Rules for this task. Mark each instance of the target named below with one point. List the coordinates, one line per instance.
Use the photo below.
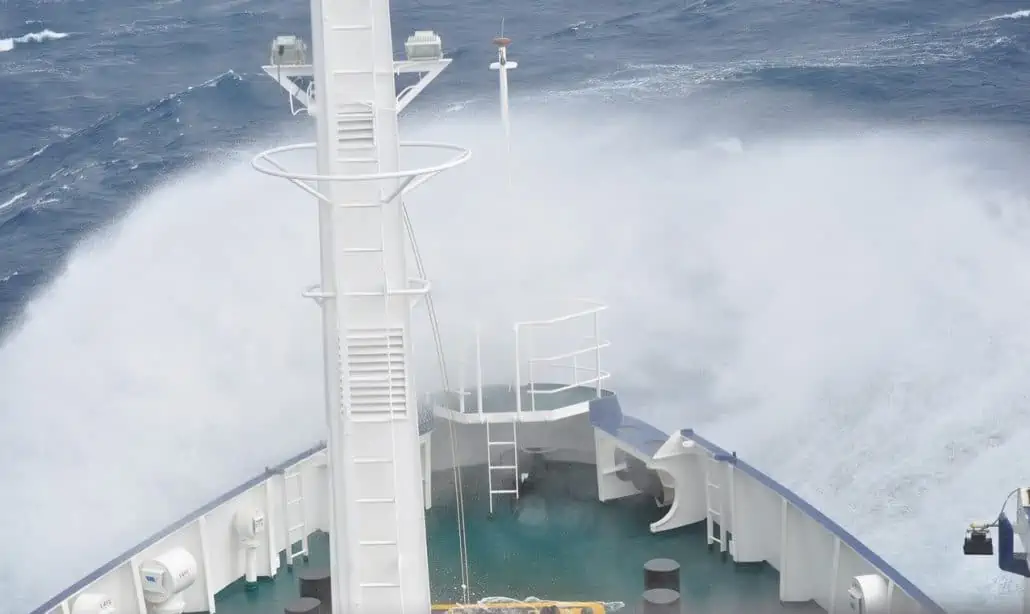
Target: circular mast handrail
(416, 288)
(265, 157)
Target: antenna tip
(502, 41)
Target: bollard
(314, 582)
(660, 601)
(662, 573)
(304, 605)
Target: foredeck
(557, 543)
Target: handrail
(722, 455)
(597, 308)
(577, 384)
(123, 558)
(576, 368)
(573, 353)
(519, 385)
(266, 156)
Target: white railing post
(205, 560)
(479, 373)
(461, 379)
(518, 371)
(532, 389)
(597, 352)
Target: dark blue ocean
(847, 176)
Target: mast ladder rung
(351, 27)
(379, 585)
(377, 420)
(352, 71)
(358, 205)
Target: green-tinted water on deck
(557, 542)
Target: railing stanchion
(518, 371)
(479, 373)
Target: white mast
(502, 66)
(378, 559)
(378, 552)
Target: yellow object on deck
(521, 607)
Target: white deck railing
(815, 558)
(561, 370)
(525, 334)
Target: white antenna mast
(502, 66)
(378, 559)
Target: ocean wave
(10, 203)
(1017, 15)
(7, 44)
(920, 48)
(66, 135)
(33, 155)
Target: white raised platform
(498, 403)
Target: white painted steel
(813, 562)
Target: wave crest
(6, 44)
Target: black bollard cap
(304, 605)
(660, 601)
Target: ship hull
(600, 493)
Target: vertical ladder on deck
(714, 501)
(376, 371)
(294, 517)
(500, 438)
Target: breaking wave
(7, 44)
